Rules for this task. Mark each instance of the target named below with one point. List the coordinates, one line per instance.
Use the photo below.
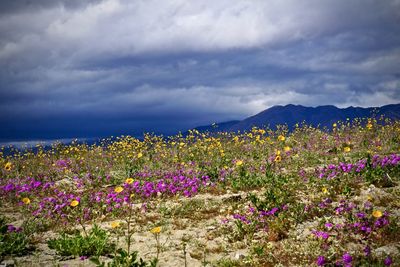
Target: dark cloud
(98, 68)
(10, 7)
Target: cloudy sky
(83, 68)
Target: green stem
(83, 227)
(184, 253)
(158, 245)
(128, 238)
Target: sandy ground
(194, 222)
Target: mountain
(218, 127)
(292, 114)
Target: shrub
(96, 243)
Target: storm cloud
(111, 67)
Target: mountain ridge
(291, 114)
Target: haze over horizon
(89, 68)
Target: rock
(197, 254)
(7, 263)
(376, 195)
(209, 228)
(65, 182)
(386, 250)
(303, 231)
(239, 256)
(233, 198)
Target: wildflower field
(261, 198)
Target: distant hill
(218, 127)
(292, 114)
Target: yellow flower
(8, 166)
(156, 230)
(325, 190)
(287, 148)
(239, 163)
(139, 155)
(281, 138)
(26, 201)
(334, 125)
(132, 196)
(118, 189)
(129, 180)
(369, 126)
(278, 158)
(377, 213)
(115, 224)
(74, 203)
(346, 149)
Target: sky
(96, 68)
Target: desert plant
(123, 259)
(96, 243)
(13, 240)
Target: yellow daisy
(26, 201)
(377, 213)
(239, 163)
(115, 224)
(8, 166)
(118, 189)
(74, 203)
(156, 230)
(129, 180)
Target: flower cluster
(19, 187)
(126, 180)
(352, 221)
(331, 171)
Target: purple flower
(324, 235)
(347, 258)
(368, 205)
(361, 215)
(381, 222)
(273, 211)
(11, 228)
(320, 260)
(367, 251)
(366, 229)
(339, 226)
(321, 234)
(251, 209)
(388, 261)
(224, 221)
